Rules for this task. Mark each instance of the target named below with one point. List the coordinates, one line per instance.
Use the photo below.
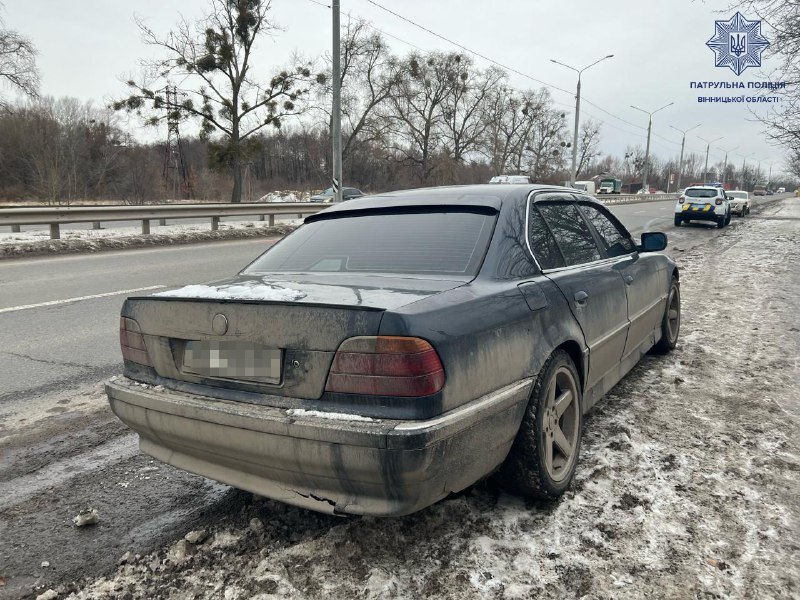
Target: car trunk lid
(264, 334)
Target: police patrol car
(703, 203)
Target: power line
(499, 64)
(601, 121)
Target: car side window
(542, 242)
(571, 232)
(616, 240)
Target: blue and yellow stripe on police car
(688, 207)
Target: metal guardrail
(54, 217)
(634, 198)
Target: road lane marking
(79, 298)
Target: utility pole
(708, 147)
(725, 164)
(573, 174)
(646, 166)
(744, 158)
(336, 130)
(680, 161)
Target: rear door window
(571, 233)
(543, 244)
(437, 243)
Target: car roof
(703, 187)
(483, 195)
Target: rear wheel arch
(573, 349)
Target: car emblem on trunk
(219, 324)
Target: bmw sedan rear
(386, 353)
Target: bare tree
(544, 144)
(588, 144)
(506, 118)
(783, 117)
(18, 64)
(369, 76)
(464, 107)
(415, 114)
(212, 59)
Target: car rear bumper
(322, 461)
(712, 214)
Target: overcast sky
(87, 46)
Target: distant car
(703, 203)
(780, 190)
(740, 203)
(510, 179)
(770, 193)
(400, 347)
(643, 191)
(759, 190)
(327, 195)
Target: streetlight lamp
(573, 173)
(708, 147)
(744, 158)
(725, 164)
(680, 162)
(647, 149)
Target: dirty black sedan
(398, 348)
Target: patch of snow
(300, 412)
(135, 229)
(242, 291)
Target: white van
(510, 179)
(586, 186)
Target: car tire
(728, 219)
(744, 212)
(671, 321)
(721, 222)
(538, 465)
(678, 221)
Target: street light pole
(574, 171)
(647, 149)
(680, 161)
(708, 147)
(336, 122)
(725, 164)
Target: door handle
(581, 297)
(628, 279)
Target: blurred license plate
(233, 360)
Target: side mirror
(653, 241)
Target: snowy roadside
(36, 243)
(687, 485)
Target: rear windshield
(437, 243)
(742, 195)
(700, 193)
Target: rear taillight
(386, 366)
(719, 201)
(131, 341)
